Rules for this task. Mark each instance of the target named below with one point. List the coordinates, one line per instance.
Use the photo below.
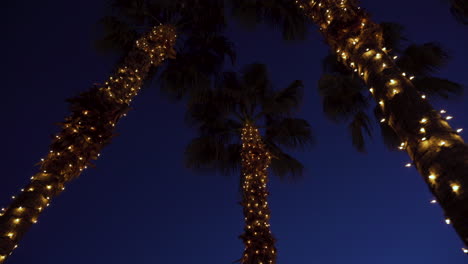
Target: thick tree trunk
(84, 133)
(437, 151)
(258, 240)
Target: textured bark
(258, 240)
(84, 133)
(438, 152)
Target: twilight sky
(140, 205)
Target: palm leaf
(284, 165)
(358, 128)
(459, 9)
(439, 87)
(284, 101)
(341, 96)
(423, 59)
(292, 133)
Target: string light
(455, 187)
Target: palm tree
(96, 112)
(436, 149)
(459, 9)
(230, 121)
(344, 96)
(83, 135)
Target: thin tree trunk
(84, 133)
(438, 152)
(258, 240)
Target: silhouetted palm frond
(423, 59)
(459, 9)
(281, 14)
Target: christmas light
(455, 188)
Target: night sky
(140, 205)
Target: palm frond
(341, 96)
(284, 101)
(393, 35)
(208, 155)
(459, 9)
(284, 165)
(438, 87)
(292, 133)
(423, 60)
(358, 128)
(117, 35)
(280, 14)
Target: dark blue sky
(141, 206)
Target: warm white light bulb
(455, 187)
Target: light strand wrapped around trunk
(84, 133)
(258, 240)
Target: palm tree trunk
(84, 133)
(258, 240)
(438, 152)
